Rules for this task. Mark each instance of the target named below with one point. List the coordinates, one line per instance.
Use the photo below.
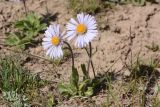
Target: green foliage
(89, 6)
(110, 3)
(70, 89)
(86, 75)
(75, 88)
(15, 99)
(156, 102)
(51, 100)
(28, 28)
(14, 77)
(138, 2)
(132, 94)
(141, 70)
(16, 83)
(74, 78)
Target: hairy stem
(90, 59)
(70, 49)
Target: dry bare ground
(111, 48)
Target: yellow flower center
(81, 28)
(55, 40)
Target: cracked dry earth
(111, 47)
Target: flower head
(83, 30)
(52, 42)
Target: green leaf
(89, 91)
(19, 35)
(42, 26)
(21, 46)
(85, 73)
(28, 28)
(27, 25)
(139, 2)
(67, 89)
(19, 25)
(74, 79)
(12, 40)
(83, 85)
(97, 81)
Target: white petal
(80, 17)
(73, 21)
(60, 51)
(80, 42)
(71, 37)
(86, 39)
(91, 20)
(46, 39)
(51, 30)
(76, 42)
(55, 52)
(92, 31)
(92, 26)
(70, 34)
(56, 29)
(47, 33)
(92, 23)
(62, 34)
(51, 54)
(71, 26)
(49, 51)
(86, 18)
(46, 45)
(91, 36)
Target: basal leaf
(85, 73)
(74, 79)
(66, 89)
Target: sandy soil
(112, 46)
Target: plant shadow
(145, 72)
(104, 81)
(48, 17)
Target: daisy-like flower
(52, 42)
(83, 30)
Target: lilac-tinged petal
(73, 21)
(47, 39)
(70, 26)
